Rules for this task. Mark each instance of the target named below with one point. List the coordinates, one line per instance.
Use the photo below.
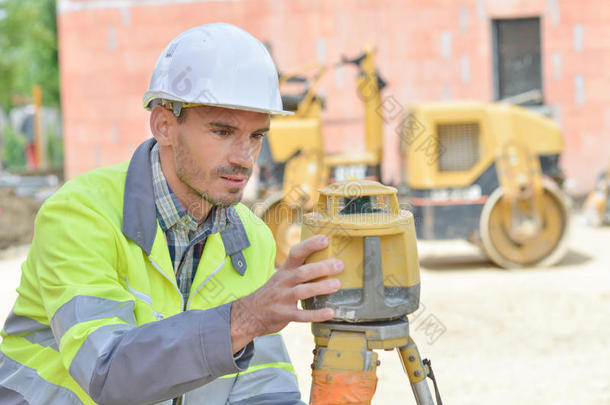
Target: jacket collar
(139, 211)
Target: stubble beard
(183, 161)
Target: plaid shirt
(185, 237)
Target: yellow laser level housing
(376, 241)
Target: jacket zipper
(156, 266)
(183, 397)
(220, 266)
(145, 298)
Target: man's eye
(258, 136)
(222, 132)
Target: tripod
(344, 367)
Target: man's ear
(162, 123)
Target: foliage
(13, 149)
(28, 46)
(55, 148)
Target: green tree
(13, 155)
(28, 50)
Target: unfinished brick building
(432, 50)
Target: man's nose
(242, 154)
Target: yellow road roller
(488, 173)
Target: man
(147, 281)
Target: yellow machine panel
(484, 128)
(488, 173)
(288, 136)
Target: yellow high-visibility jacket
(100, 319)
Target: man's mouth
(235, 181)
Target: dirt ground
(17, 214)
(532, 336)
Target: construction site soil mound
(17, 215)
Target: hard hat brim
(150, 96)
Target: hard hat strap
(175, 106)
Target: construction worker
(148, 282)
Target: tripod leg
(416, 371)
(344, 371)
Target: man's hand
(270, 308)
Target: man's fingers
(312, 271)
(322, 287)
(300, 251)
(313, 315)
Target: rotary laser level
(380, 286)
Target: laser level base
(344, 367)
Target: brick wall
(432, 50)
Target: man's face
(215, 150)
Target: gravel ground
(17, 213)
(532, 336)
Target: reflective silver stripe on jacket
(234, 390)
(83, 308)
(259, 385)
(97, 345)
(214, 393)
(30, 329)
(267, 385)
(33, 388)
(143, 297)
(269, 349)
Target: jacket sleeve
(74, 254)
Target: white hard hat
(219, 65)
